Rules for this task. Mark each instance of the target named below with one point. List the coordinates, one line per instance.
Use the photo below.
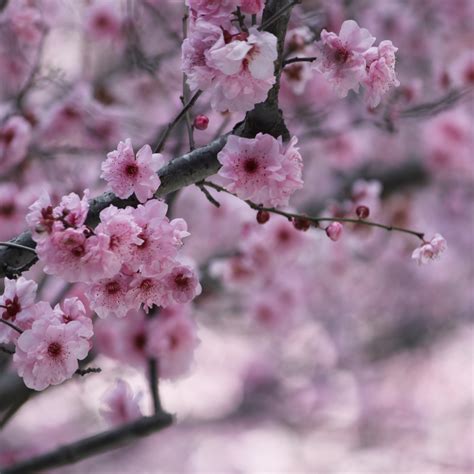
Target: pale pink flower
(127, 174)
(334, 231)
(181, 285)
(40, 219)
(216, 11)
(76, 256)
(340, 57)
(109, 297)
(245, 70)
(430, 251)
(261, 169)
(103, 22)
(17, 299)
(173, 344)
(27, 24)
(122, 230)
(12, 209)
(120, 405)
(380, 72)
(15, 138)
(72, 210)
(251, 7)
(202, 36)
(146, 291)
(48, 353)
(72, 311)
(161, 239)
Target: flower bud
(201, 122)
(263, 216)
(301, 224)
(334, 231)
(362, 212)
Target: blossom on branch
(430, 251)
(261, 169)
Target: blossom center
(55, 349)
(112, 287)
(182, 281)
(12, 308)
(250, 165)
(131, 169)
(341, 55)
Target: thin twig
(299, 60)
(176, 120)
(208, 195)
(153, 371)
(89, 370)
(317, 220)
(16, 328)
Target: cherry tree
(172, 165)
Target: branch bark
(87, 447)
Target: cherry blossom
(15, 137)
(48, 353)
(430, 251)
(15, 304)
(120, 405)
(128, 174)
(341, 59)
(261, 169)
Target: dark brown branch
(87, 447)
(89, 370)
(17, 329)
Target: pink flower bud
(201, 122)
(301, 224)
(252, 7)
(362, 212)
(334, 231)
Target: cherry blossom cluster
(261, 169)
(349, 60)
(48, 341)
(130, 258)
(235, 65)
(430, 250)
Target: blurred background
(315, 356)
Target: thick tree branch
(87, 447)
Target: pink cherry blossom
(380, 72)
(109, 297)
(27, 24)
(252, 7)
(17, 299)
(40, 219)
(127, 174)
(122, 230)
(72, 210)
(120, 405)
(103, 22)
(216, 11)
(340, 57)
(261, 169)
(182, 284)
(173, 343)
(48, 353)
(202, 36)
(430, 251)
(72, 311)
(15, 138)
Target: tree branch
(87, 447)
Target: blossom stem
(18, 246)
(299, 60)
(90, 370)
(16, 328)
(317, 220)
(277, 15)
(153, 369)
(176, 120)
